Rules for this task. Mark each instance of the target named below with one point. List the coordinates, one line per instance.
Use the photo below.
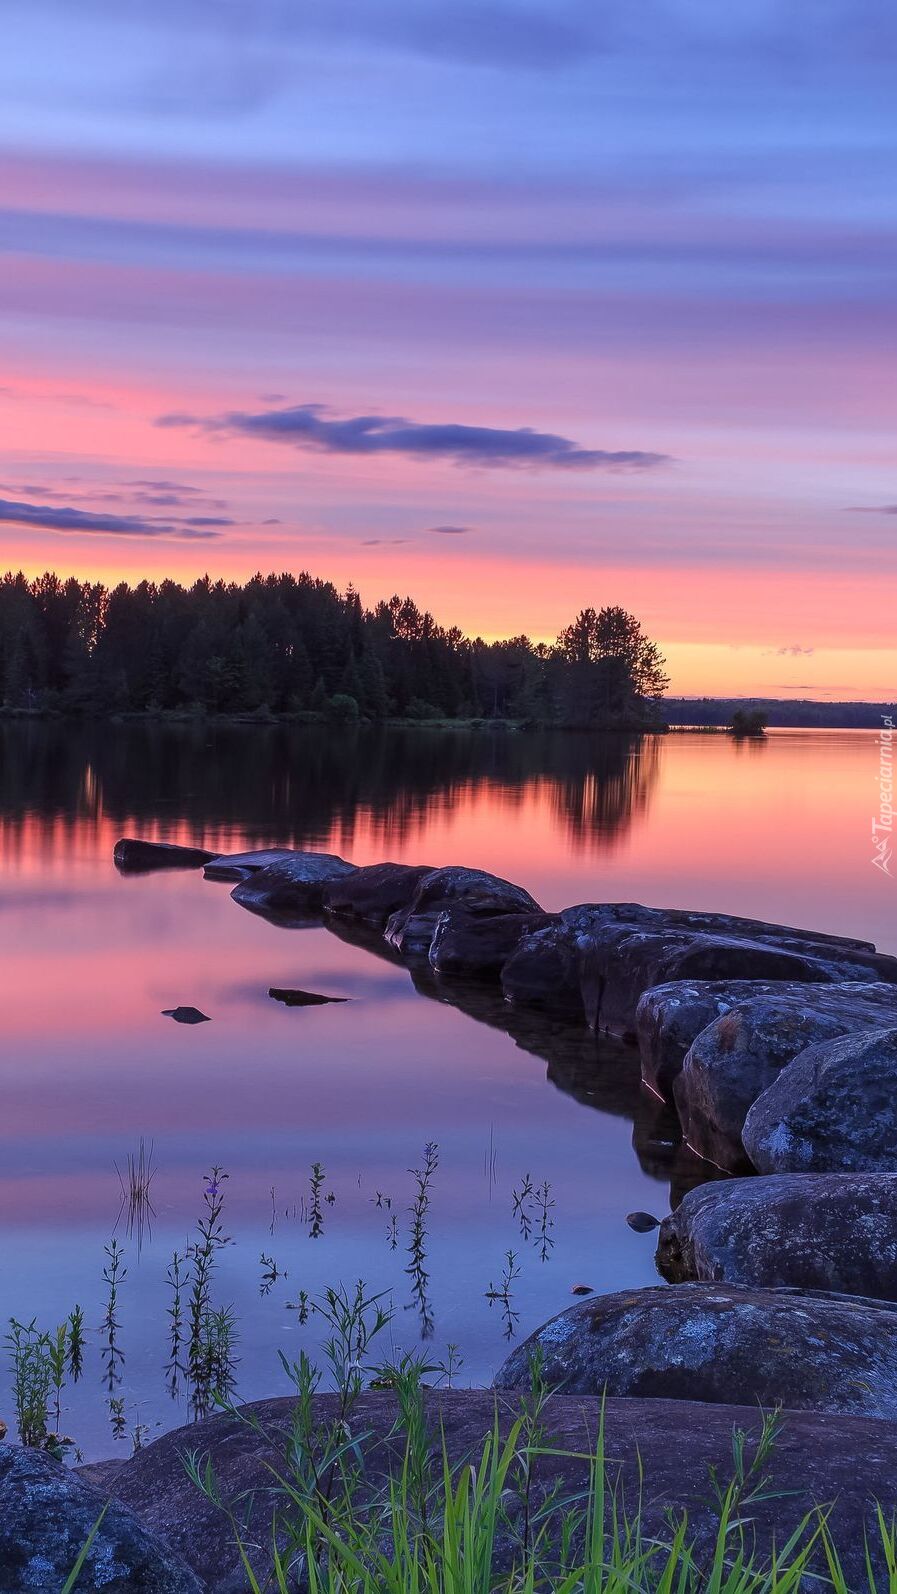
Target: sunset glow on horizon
(511, 309)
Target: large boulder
(835, 1231)
(834, 1108)
(471, 947)
(239, 865)
(46, 1517)
(737, 1057)
(372, 894)
(722, 1342)
(669, 1017)
(482, 895)
(133, 856)
(292, 886)
(664, 1454)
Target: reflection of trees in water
(299, 784)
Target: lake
(515, 1105)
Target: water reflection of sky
(89, 1064)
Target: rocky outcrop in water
(133, 856)
(481, 895)
(836, 1232)
(833, 1108)
(46, 1516)
(373, 894)
(291, 885)
(721, 1343)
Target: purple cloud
(451, 531)
(309, 426)
(64, 518)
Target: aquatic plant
(502, 1293)
(135, 1185)
(417, 1242)
(32, 1380)
(114, 1274)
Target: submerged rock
(372, 894)
(411, 929)
(834, 1108)
(663, 1454)
(186, 1015)
(719, 1343)
(133, 856)
(291, 885)
(302, 998)
(46, 1516)
(834, 1231)
(737, 1057)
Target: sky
(514, 305)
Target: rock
(662, 1454)
(719, 1343)
(624, 964)
(186, 1015)
(601, 958)
(372, 894)
(581, 1289)
(737, 1057)
(642, 1222)
(292, 885)
(477, 948)
(239, 865)
(411, 929)
(132, 856)
(46, 1516)
(669, 1017)
(834, 1231)
(302, 998)
(834, 1108)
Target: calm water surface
(778, 829)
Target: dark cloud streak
(63, 518)
(309, 426)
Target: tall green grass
(354, 1513)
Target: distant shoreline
(710, 716)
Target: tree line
(294, 644)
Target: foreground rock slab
(834, 1231)
(737, 1057)
(722, 1342)
(833, 1108)
(133, 856)
(850, 1461)
(46, 1516)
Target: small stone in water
(642, 1222)
(302, 998)
(582, 1289)
(186, 1015)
